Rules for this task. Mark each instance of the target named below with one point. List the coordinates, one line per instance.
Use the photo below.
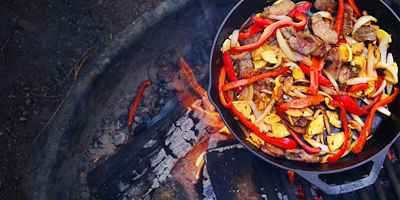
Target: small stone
(119, 138)
(22, 119)
(25, 113)
(137, 119)
(28, 102)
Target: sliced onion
(350, 40)
(325, 94)
(381, 109)
(354, 81)
(283, 44)
(316, 144)
(327, 125)
(389, 59)
(266, 91)
(299, 94)
(308, 35)
(328, 91)
(370, 64)
(280, 17)
(324, 14)
(330, 77)
(358, 119)
(267, 110)
(254, 108)
(238, 56)
(306, 60)
(355, 124)
(389, 88)
(279, 61)
(381, 88)
(361, 21)
(235, 37)
(383, 46)
(250, 93)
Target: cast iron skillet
(385, 129)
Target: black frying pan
(385, 129)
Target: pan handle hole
(351, 175)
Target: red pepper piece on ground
(295, 136)
(358, 87)
(248, 81)
(370, 119)
(350, 105)
(250, 31)
(321, 79)
(343, 117)
(339, 17)
(136, 102)
(228, 63)
(285, 143)
(269, 30)
(355, 8)
(302, 103)
(302, 8)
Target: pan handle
(377, 159)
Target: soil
(43, 46)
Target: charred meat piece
(322, 30)
(333, 62)
(242, 65)
(300, 124)
(321, 50)
(272, 150)
(250, 40)
(296, 42)
(365, 33)
(301, 155)
(324, 4)
(348, 20)
(282, 8)
(345, 73)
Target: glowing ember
(199, 165)
(290, 176)
(96, 160)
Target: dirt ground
(43, 44)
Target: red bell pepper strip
(350, 105)
(321, 79)
(315, 71)
(355, 8)
(269, 30)
(295, 136)
(339, 17)
(370, 105)
(262, 21)
(221, 82)
(136, 102)
(285, 143)
(358, 87)
(302, 8)
(342, 41)
(302, 103)
(368, 123)
(228, 63)
(251, 31)
(343, 117)
(248, 81)
(377, 85)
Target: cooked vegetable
(285, 84)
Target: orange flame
(199, 165)
(290, 176)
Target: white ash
(119, 138)
(150, 143)
(208, 191)
(157, 159)
(221, 149)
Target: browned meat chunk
(345, 73)
(333, 62)
(296, 42)
(301, 155)
(348, 20)
(242, 65)
(324, 4)
(365, 33)
(300, 124)
(250, 40)
(321, 50)
(322, 30)
(282, 8)
(272, 150)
